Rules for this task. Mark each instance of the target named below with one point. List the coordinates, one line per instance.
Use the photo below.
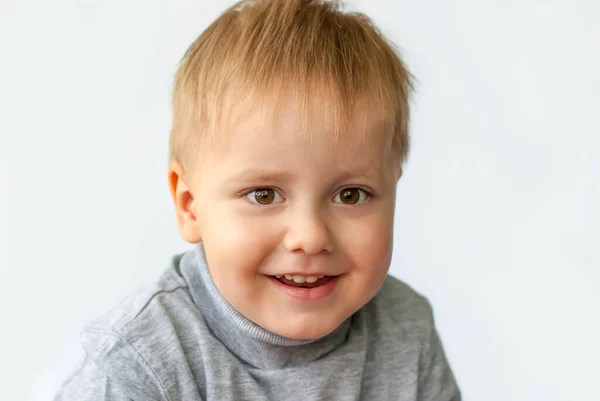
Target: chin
(303, 331)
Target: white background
(498, 218)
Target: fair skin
(269, 202)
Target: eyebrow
(371, 171)
(252, 175)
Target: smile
(305, 288)
(300, 281)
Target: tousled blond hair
(262, 52)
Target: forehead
(264, 130)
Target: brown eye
(350, 196)
(264, 196)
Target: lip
(305, 274)
(307, 294)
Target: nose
(309, 233)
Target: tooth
(289, 276)
(299, 279)
(311, 279)
(278, 276)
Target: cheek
(235, 253)
(236, 245)
(368, 248)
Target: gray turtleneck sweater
(180, 340)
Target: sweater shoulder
(169, 288)
(138, 343)
(398, 305)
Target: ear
(398, 173)
(183, 201)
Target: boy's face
(268, 202)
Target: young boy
(290, 129)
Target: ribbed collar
(248, 341)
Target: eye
(351, 196)
(264, 196)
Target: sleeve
(436, 380)
(89, 384)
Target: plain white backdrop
(498, 217)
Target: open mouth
(303, 281)
(306, 288)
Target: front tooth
(311, 279)
(289, 276)
(278, 276)
(299, 279)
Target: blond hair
(261, 52)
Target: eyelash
(368, 193)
